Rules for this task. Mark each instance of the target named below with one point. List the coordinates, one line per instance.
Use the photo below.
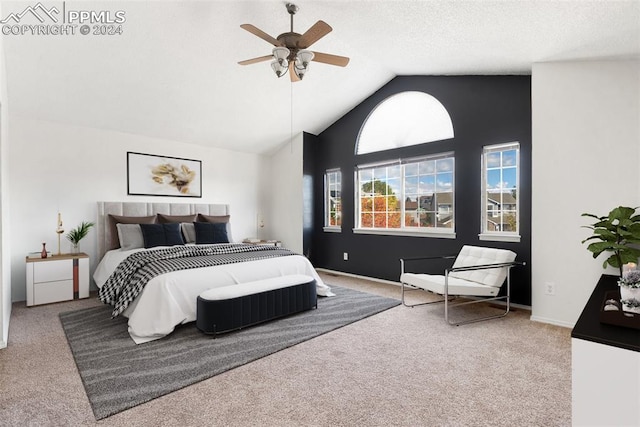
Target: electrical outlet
(345, 256)
(549, 288)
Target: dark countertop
(588, 326)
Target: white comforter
(170, 299)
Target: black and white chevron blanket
(132, 274)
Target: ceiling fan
(290, 51)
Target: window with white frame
(333, 199)
(500, 192)
(407, 196)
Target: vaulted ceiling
(173, 72)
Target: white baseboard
(552, 322)
(3, 344)
(390, 282)
(357, 276)
(512, 305)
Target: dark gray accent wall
(484, 110)
(309, 147)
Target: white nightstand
(57, 278)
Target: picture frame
(155, 175)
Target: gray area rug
(118, 374)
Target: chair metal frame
(447, 298)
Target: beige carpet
(402, 367)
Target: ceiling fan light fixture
(281, 54)
(278, 68)
(303, 58)
(301, 71)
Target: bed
(169, 299)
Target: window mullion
(400, 206)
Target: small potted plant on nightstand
(77, 234)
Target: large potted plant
(618, 233)
(77, 234)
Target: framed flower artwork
(152, 175)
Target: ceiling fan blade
(258, 32)
(256, 60)
(326, 58)
(313, 34)
(292, 73)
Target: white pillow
(130, 236)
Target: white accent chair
(477, 272)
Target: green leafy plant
(615, 233)
(79, 233)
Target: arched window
(407, 118)
(406, 196)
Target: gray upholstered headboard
(146, 209)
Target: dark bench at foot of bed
(233, 307)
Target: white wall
(281, 188)
(5, 266)
(67, 168)
(586, 152)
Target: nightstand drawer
(46, 292)
(53, 271)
